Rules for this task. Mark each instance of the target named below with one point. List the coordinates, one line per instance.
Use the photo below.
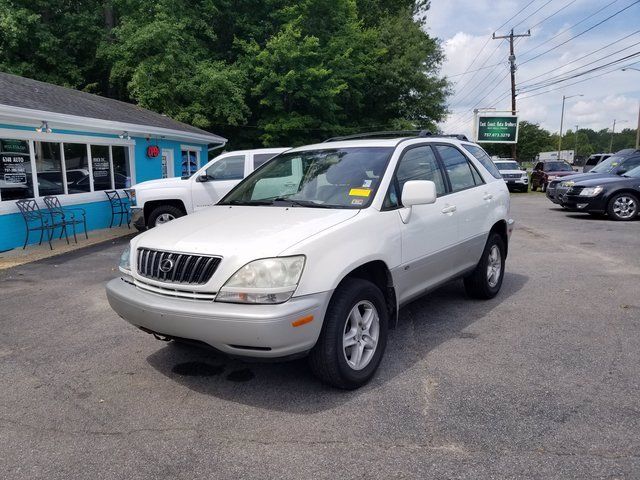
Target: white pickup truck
(159, 201)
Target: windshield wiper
(303, 203)
(243, 202)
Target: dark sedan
(621, 162)
(617, 196)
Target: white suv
(315, 252)
(155, 202)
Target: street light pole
(564, 97)
(638, 128)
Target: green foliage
(274, 72)
(532, 139)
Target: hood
(561, 173)
(240, 231)
(605, 180)
(160, 183)
(578, 177)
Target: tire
(623, 207)
(328, 358)
(479, 284)
(163, 214)
(140, 229)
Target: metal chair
(67, 215)
(31, 214)
(118, 207)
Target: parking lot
(541, 382)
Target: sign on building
(491, 129)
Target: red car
(545, 172)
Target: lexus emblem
(166, 265)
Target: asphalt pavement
(541, 382)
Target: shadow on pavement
(291, 387)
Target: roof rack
(394, 134)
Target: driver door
(221, 177)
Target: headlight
(125, 261)
(590, 191)
(270, 280)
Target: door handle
(487, 196)
(449, 209)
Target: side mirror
(418, 192)
(203, 178)
(621, 171)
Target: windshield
(557, 167)
(608, 165)
(328, 178)
(507, 165)
(634, 172)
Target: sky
(465, 28)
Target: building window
(190, 162)
(76, 163)
(49, 168)
(61, 168)
(121, 167)
(101, 167)
(15, 170)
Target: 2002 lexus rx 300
(314, 253)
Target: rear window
(483, 158)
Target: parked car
(515, 177)
(594, 160)
(159, 201)
(620, 163)
(545, 172)
(617, 196)
(315, 252)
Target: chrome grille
(511, 176)
(174, 267)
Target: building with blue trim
(75, 145)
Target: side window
(484, 159)
(630, 163)
(457, 167)
(260, 159)
(418, 163)
(230, 168)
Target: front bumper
(137, 218)
(584, 204)
(262, 331)
(517, 184)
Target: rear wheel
(353, 337)
(485, 281)
(163, 214)
(623, 207)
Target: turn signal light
(302, 321)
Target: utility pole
(512, 61)
(564, 97)
(613, 132)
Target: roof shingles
(32, 94)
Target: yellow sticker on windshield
(360, 192)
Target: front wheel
(353, 337)
(164, 214)
(623, 207)
(486, 279)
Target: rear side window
(461, 173)
(484, 159)
(230, 168)
(260, 159)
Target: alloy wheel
(625, 207)
(361, 334)
(494, 266)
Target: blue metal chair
(37, 220)
(67, 215)
(119, 206)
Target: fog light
(582, 205)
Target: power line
(581, 33)
(553, 14)
(558, 79)
(588, 55)
(459, 92)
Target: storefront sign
(497, 129)
(153, 151)
(14, 161)
(100, 167)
